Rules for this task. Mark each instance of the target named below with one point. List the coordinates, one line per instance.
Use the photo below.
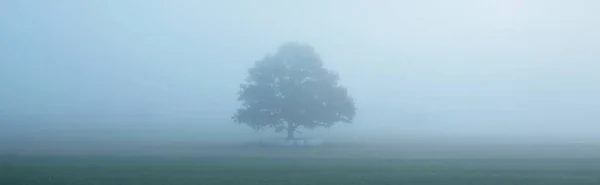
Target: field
(293, 167)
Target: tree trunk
(290, 130)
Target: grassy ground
(296, 170)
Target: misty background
(145, 72)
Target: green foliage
(292, 89)
(298, 171)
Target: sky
(169, 71)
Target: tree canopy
(292, 89)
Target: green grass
(294, 171)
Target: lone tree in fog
(292, 89)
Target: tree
(292, 89)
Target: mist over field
(110, 76)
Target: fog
(119, 73)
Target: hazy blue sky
(160, 70)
